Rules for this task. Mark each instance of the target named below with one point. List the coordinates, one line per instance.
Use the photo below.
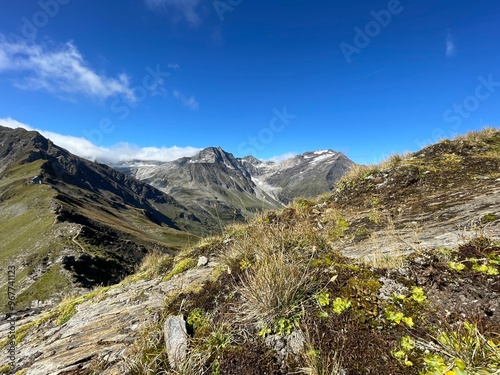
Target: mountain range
(219, 187)
(68, 223)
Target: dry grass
(276, 287)
(148, 356)
(271, 256)
(319, 362)
(358, 171)
(480, 136)
(395, 160)
(155, 264)
(289, 231)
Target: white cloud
(126, 151)
(451, 48)
(186, 9)
(282, 158)
(190, 102)
(115, 154)
(59, 70)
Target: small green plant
(219, 339)
(284, 327)
(264, 330)
(418, 295)
(484, 268)
(407, 345)
(398, 317)
(437, 365)
(456, 266)
(323, 299)
(396, 297)
(244, 264)
(197, 319)
(408, 320)
(395, 317)
(281, 326)
(340, 305)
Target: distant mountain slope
(228, 189)
(306, 175)
(68, 222)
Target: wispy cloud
(112, 155)
(60, 70)
(451, 48)
(190, 102)
(178, 9)
(282, 158)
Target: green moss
(67, 309)
(23, 331)
(5, 369)
(324, 262)
(339, 226)
(489, 218)
(181, 266)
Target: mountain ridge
(68, 223)
(214, 177)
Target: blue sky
(164, 78)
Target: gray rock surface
(102, 330)
(176, 340)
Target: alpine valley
(68, 224)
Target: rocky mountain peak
(210, 155)
(215, 155)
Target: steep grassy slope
(68, 223)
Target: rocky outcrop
(102, 330)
